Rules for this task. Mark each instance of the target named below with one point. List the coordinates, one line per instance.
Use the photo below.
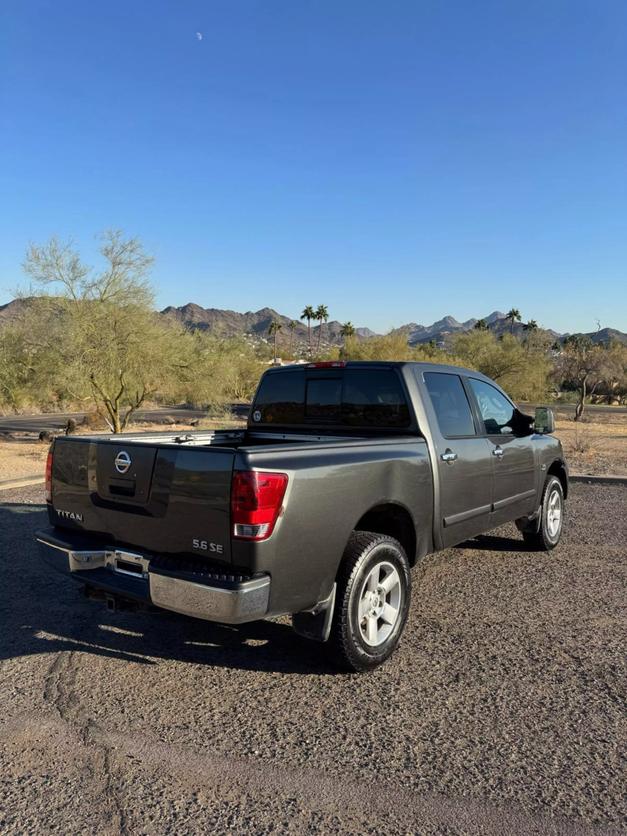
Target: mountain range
(256, 325)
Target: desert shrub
(521, 368)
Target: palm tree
(481, 325)
(529, 328)
(321, 316)
(308, 313)
(514, 316)
(273, 330)
(292, 327)
(347, 330)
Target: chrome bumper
(125, 573)
(249, 602)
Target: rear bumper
(224, 598)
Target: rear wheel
(549, 530)
(372, 601)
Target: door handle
(498, 452)
(448, 456)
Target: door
(463, 462)
(512, 455)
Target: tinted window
(281, 399)
(450, 403)
(323, 398)
(356, 398)
(373, 399)
(496, 411)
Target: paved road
(591, 409)
(502, 712)
(56, 421)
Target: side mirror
(544, 420)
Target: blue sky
(398, 161)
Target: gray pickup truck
(346, 475)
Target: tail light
(49, 476)
(256, 502)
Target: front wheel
(372, 601)
(549, 530)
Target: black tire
(547, 535)
(363, 643)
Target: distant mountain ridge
(256, 325)
(225, 323)
(443, 327)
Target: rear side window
(373, 399)
(450, 403)
(354, 398)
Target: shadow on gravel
(490, 542)
(42, 611)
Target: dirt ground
(502, 712)
(596, 447)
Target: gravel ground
(503, 710)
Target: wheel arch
(558, 469)
(394, 520)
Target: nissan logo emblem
(122, 462)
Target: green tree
(321, 316)
(222, 370)
(614, 372)
(531, 330)
(580, 366)
(481, 325)
(98, 330)
(16, 367)
(522, 373)
(513, 315)
(389, 347)
(308, 313)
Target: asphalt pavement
(57, 420)
(502, 712)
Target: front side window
(450, 403)
(497, 412)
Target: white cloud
(199, 35)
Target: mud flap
(315, 624)
(532, 523)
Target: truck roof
(364, 364)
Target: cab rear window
(351, 397)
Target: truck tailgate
(160, 498)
